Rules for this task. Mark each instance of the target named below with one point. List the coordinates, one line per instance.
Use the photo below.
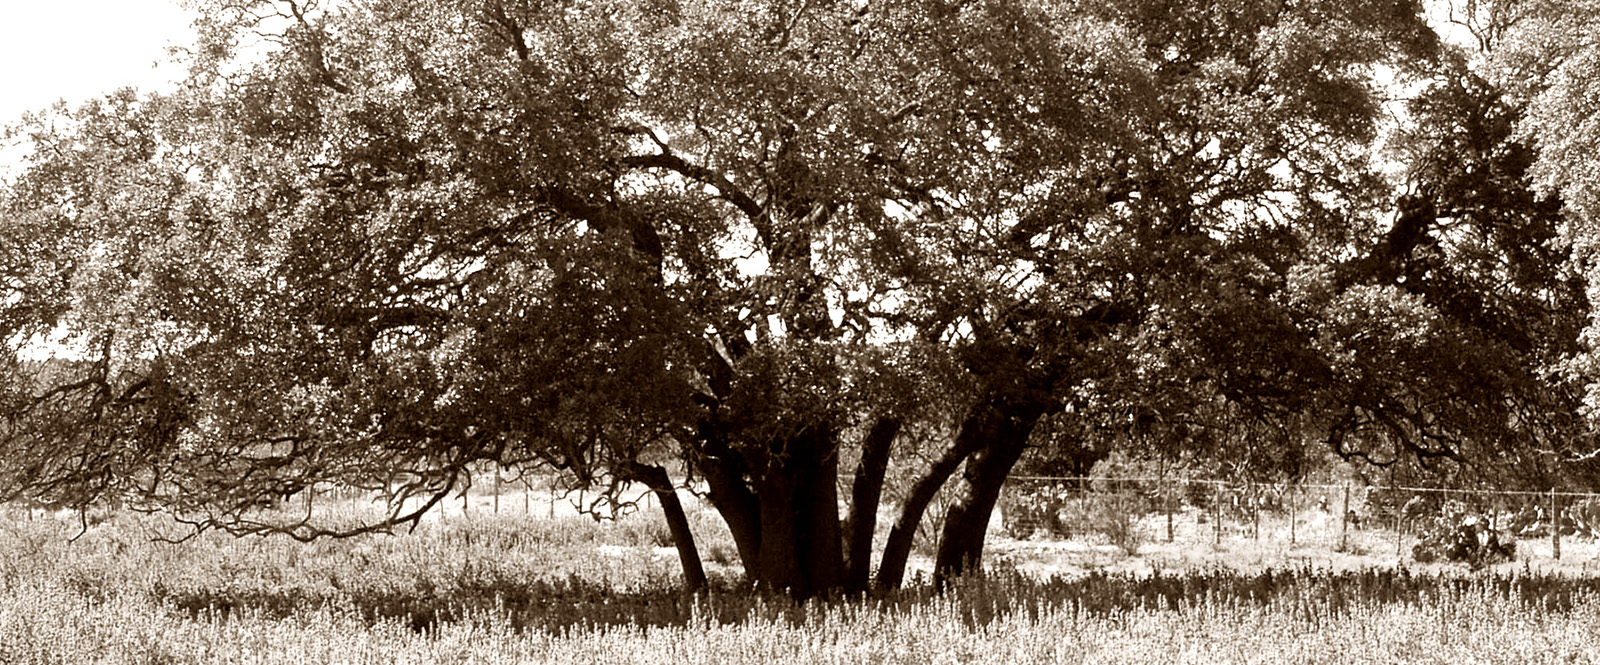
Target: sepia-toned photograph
(791, 332)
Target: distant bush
(1036, 511)
(1116, 517)
(1459, 536)
(1113, 517)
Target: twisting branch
(667, 160)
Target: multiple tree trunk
(781, 503)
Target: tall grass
(568, 590)
(43, 622)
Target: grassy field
(526, 587)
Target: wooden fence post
(1293, 517)
(1216, 514)
(1167, 491)
(1555, 526)
(1398, 516)
(1255, 512)
(1344, 520)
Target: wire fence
(1335, 515)
(488, 490)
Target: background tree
(1446, 337)
(1540, 55)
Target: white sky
(78, 49)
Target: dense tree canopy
(1542, 54)
(766, 246)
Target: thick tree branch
(747, 205)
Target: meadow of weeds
(527, 589)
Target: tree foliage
(1542, 56)
(375, 243)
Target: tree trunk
(865, 494)
(897, 549)
(729, 492)
(800, 552)
(655, 477)
(819, 533)
(961, 543)
(778, 561)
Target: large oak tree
(748, 243)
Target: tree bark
(778, 561)
(967, 523)
(655, 477)
(897, 549)
(817, 504)
(961, 542)
(800, 551)
(865, 494)
(730, 494)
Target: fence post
(1255, 512)
(1344, 520)
(497, 489)
(1167, 499)
(1293, 513)
(1216, 514)
(1398, 516)
(1555, 526)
